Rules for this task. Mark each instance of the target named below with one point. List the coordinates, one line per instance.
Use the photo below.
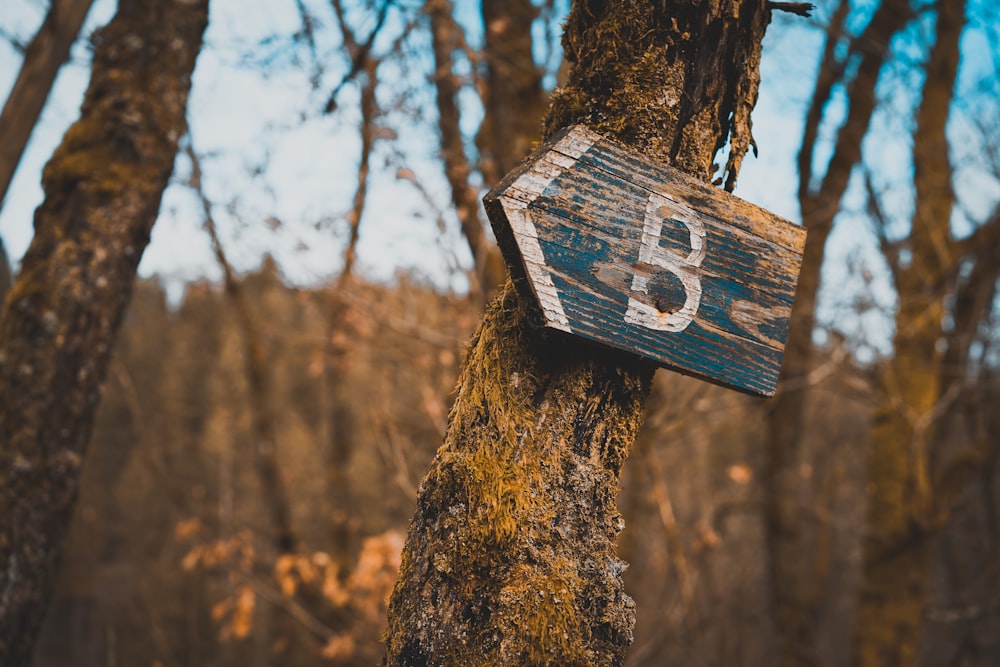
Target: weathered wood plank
(646, 259)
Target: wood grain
(647, 259)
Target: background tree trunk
(900, 489)
(102, 194)
(446, 37)
(796, 585)
(510, 557)
(514, 103)
(513, 100)
(46, 53)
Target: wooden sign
(645, 258)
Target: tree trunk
(510, 557)
(102, 193)
(796, 584)
(900, 493)
(46, 53)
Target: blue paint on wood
(589, 221)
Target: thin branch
(369, 112)
(295, 610)
(880, 225)
(830, 71)
(308, 32)
(258, 379)
(359, 51)
(465, 198)
(16, 43)
(799, 8)
(873, 46)
(675, 543)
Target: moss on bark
(510, 557)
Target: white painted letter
(658, 209)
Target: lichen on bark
(510, 557)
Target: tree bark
(899, 487)
(796, 585)
(102, 193)
(510, 557)
(46, 53)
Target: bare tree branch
(359, 51)
(369, 113)
(803, 9)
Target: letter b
(658, 209)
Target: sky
(282, 174)
(243, 121)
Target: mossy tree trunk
(102, 193)
(797, 584)
(900, 490)
(510, 557)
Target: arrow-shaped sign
(645, 258)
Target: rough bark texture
(102, 193)
(900, 492)
(796, 583)
(46, 53)
(510, 557)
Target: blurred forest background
(260, 439)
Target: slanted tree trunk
(102, 193)
(46, 53)
(899, 484)
(510, 557)
(796, 584)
